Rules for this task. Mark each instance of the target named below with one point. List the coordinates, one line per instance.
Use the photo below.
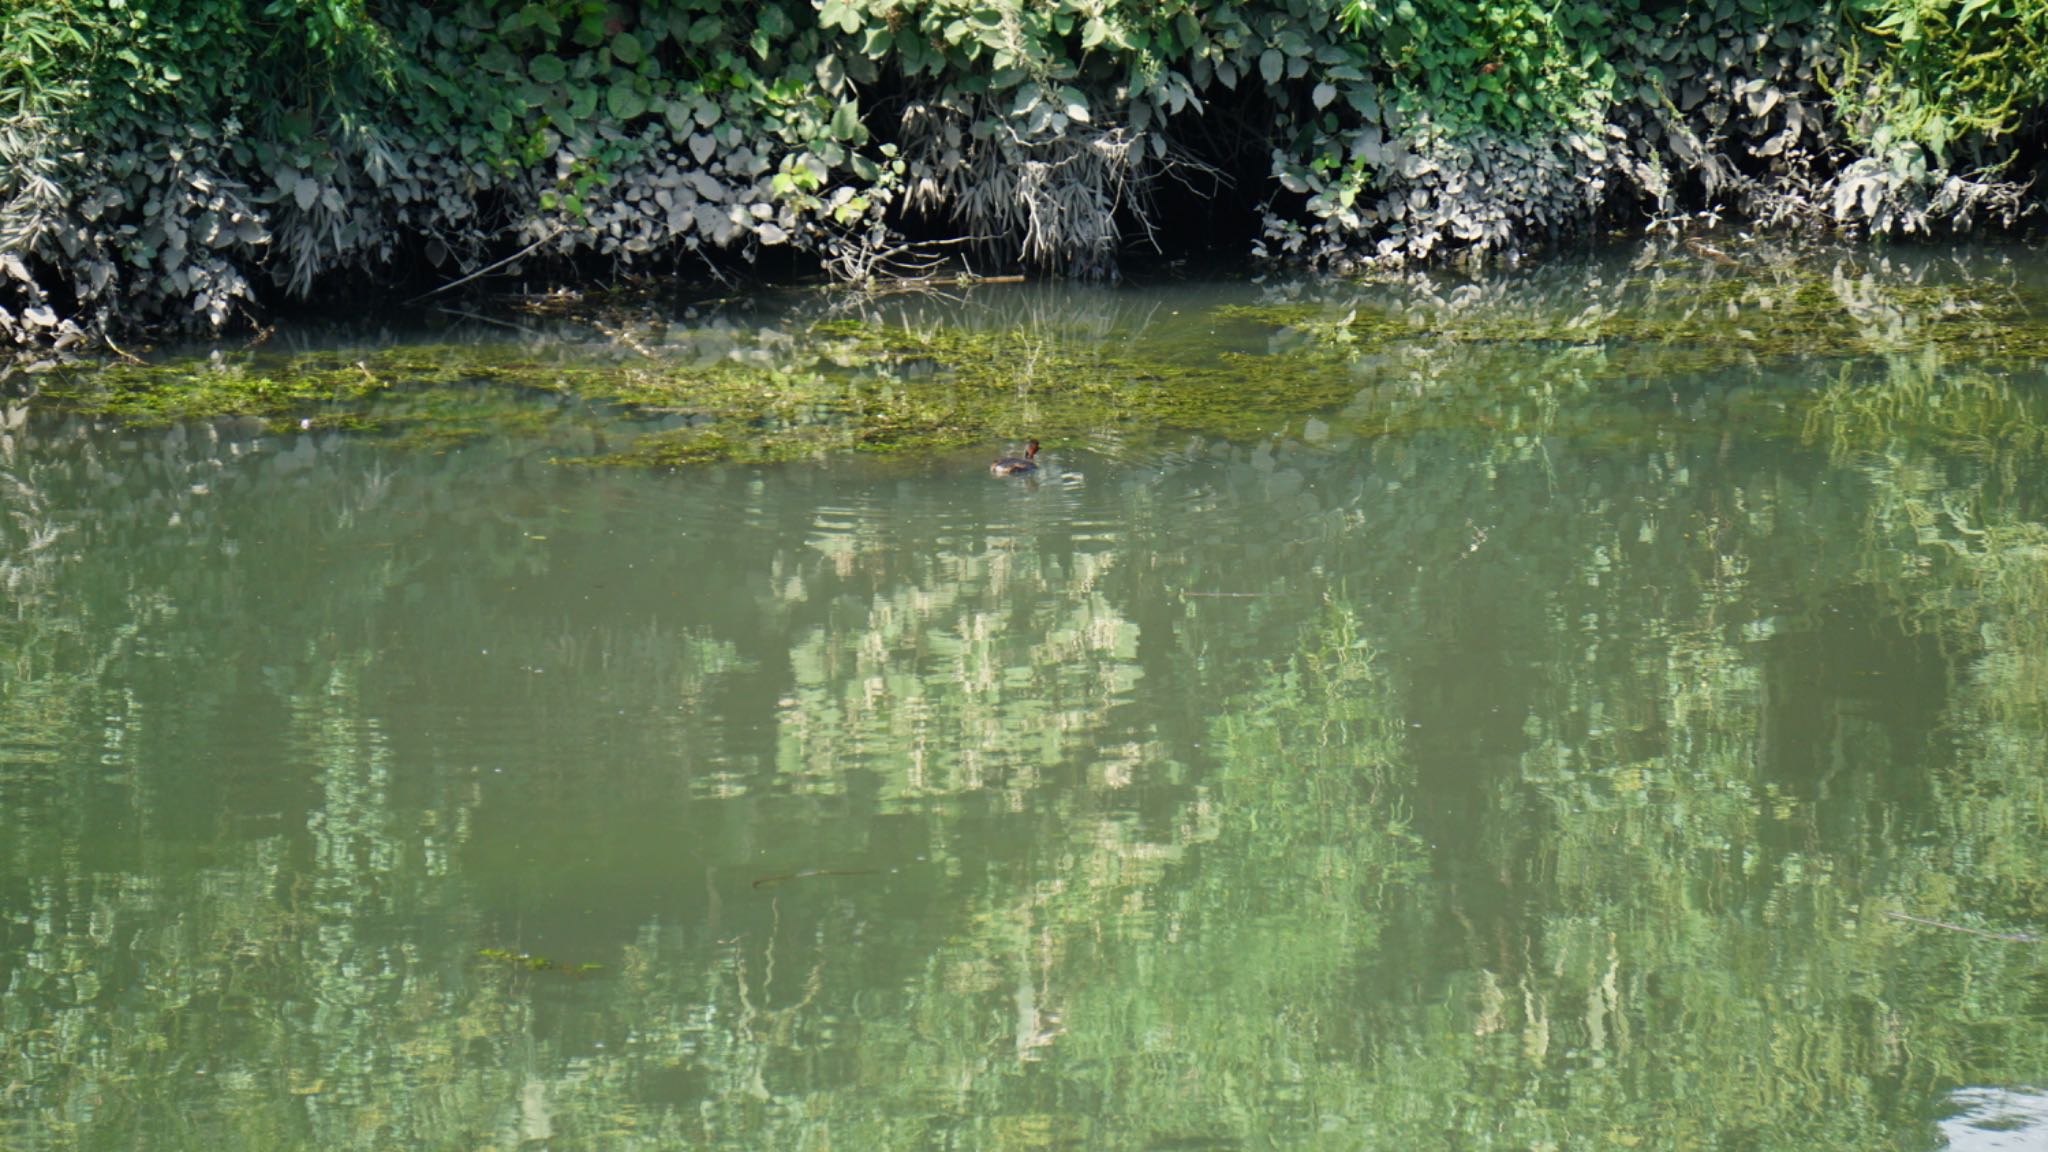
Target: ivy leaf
(846, 122)
(547, 68)
(831, 75)
(1363, 98)
(1270, 64)
(538, 16)
(839, 14)
(1074, 104)
(623, 102)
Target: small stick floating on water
(2009, 937)
(1708, 251)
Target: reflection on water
(1996, 1120)
(1650, 774)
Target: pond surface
(1629, 740)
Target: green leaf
(775, 22)
(1270, 65)
(626, 49)
(1971, 8)
(547, 68)
(846, 122)
(1074, 104)
(623, 102)
(839, 14)
(831, 74)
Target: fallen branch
(481, 319)
(123, 353)
(488, 268)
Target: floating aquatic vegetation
(1503, 354)
(532, 963)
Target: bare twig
(123, 353)
(481, 319)
(488, 268)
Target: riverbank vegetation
(192, 165)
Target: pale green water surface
(1563, 743)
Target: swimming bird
(1017, 465)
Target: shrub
(176, 163)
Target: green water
(1555, 745)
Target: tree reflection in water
(1512, 758)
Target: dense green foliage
(180, 161)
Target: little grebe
(1017, 466)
